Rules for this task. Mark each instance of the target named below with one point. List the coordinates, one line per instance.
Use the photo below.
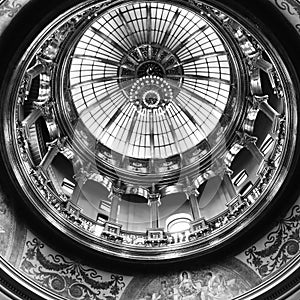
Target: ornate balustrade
(73, 214)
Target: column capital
(252, 61)
(263, 64)
(266, 169)
(68, 153)
(249, 142)
(154, 203)
(191, 190)
(81, 176)
(58, 143)
(116, 191)
(48, 64)
(45, 107)
(258, 100)
(245, 139)
(154, 197)
(220, 168)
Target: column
(154, 203)
(53, 148)
(48, 158)
(227, 185)
(267, 67)
(249, 142)
(30, 74)
(233, 200)
(81, 177)
(221, 169)
(193, 197)
(263, 65)
(36, 70)
(30, 120)
(261, 102)
(114, 209)
(152, 150)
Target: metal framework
(148, 100)
(162, 41)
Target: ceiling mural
(224, 280)
(12, 230)
(278, 248)
(198, 282)
(73, 280)
(66, 277)
(6, 226)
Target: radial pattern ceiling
(150, 80)
(151, 130)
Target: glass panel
(117, 57)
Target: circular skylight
(150, 80)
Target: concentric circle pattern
(151, 129)
(150, 39)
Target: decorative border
(287, 4)
(236, 271)
(282, 244)
(67, 278)
(9, 8)
(290, 7)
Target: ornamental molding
(9, 8)
(281, 245)
(66, 277)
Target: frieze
(68, 278)
(218, 281)
(281, 245)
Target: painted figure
(187, 289)
(216, 288)
(165, 292)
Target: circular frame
(159, 254)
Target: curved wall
(32, 260)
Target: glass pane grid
(103, 102)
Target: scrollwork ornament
(289, 6)
(117, 285)
(281, 245)
(9, 8)
(55, 272)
